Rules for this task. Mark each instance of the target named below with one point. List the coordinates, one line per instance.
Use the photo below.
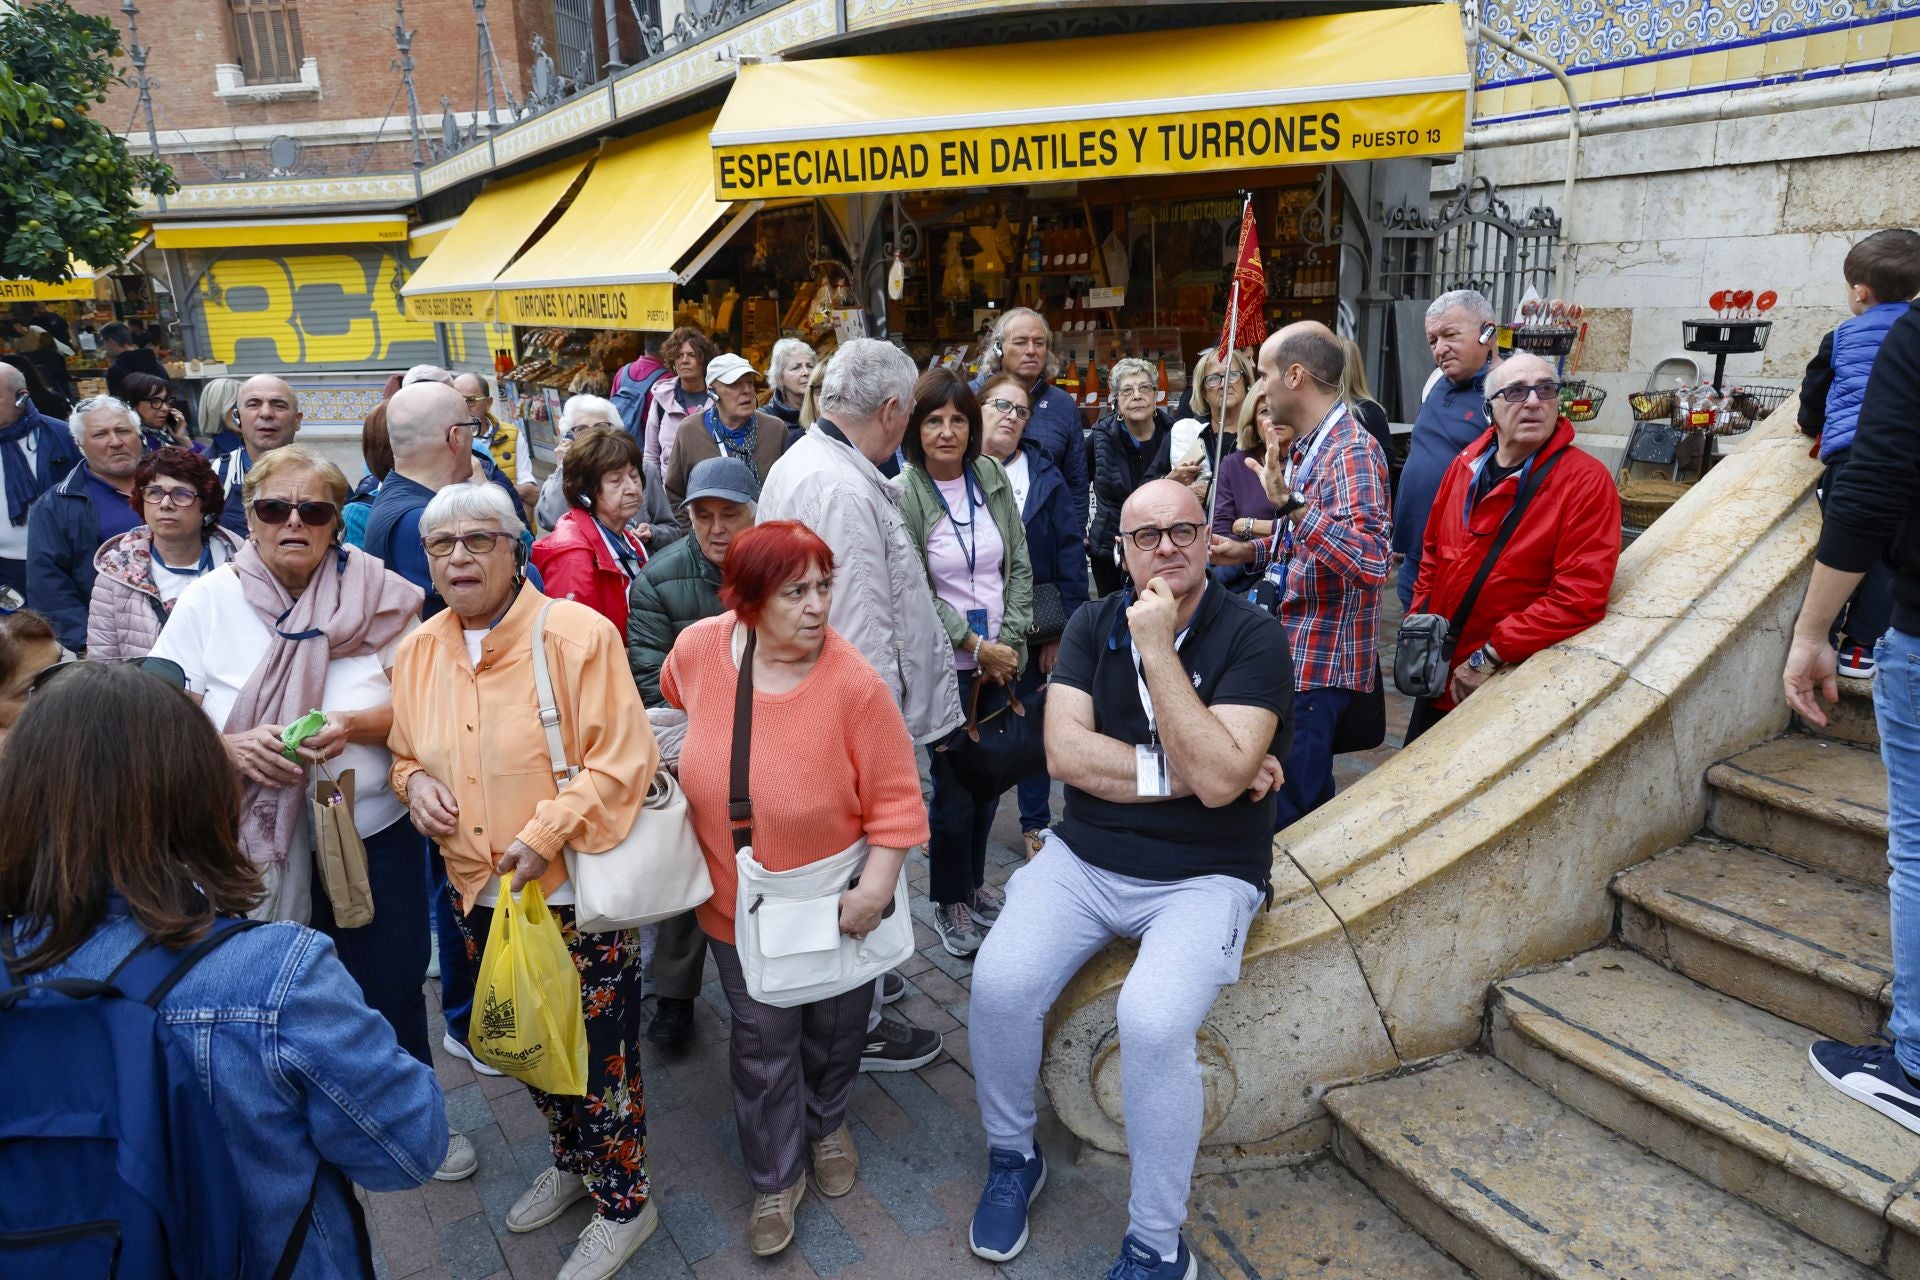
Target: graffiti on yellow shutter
(311, 308)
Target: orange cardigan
(831, 761)
(478, 731)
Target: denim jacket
(299, 1071)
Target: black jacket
(1873, 509)
(1118, 467)
(1814, 385)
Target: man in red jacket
(1551, 581)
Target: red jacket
(576, 564)
(1552, 580)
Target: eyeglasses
(167, 497)
(474, 400)
(1020, 412)
(276, 511)
(1147, 537)
(164, 668)
(1137, 391)
(441, 545)
(164, 402)
(1517, 394)
(1214, 381)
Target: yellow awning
(1352, 86)
(423, 240)
(77, 289)
(270, 233)
(455, 284)
(610, 261)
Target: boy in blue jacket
(1883, 274)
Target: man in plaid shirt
(1326, 563)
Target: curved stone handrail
(1488, 845)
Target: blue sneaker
(1869, 1073)
(1137, 1262)
(999, 1230)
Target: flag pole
(1217, 404)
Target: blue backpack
(630, 398)
(113, 1160)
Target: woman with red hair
(831, 764)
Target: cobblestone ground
(922, 1154)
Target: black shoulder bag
(1423, 655)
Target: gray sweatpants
(1059, 912)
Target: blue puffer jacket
(1855, 343)
(63, 532)
(1055, 542)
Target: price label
(1700, 418)
(1104, 298)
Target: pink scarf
(356, 607)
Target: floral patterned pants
(602, 1136)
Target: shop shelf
(1549, 340)
(1725, 337)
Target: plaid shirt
(1334, 561)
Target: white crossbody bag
(786, 924)
(656, 871)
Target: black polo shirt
(1235, 654)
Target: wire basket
(1581, 402)
(1545, 340)
(1725, 337)
(1748, 405)
(1651, 406)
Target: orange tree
(68, 187)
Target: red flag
(1250, 330)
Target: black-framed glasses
(441, 545)
(1518, 392)
(474, 426)
(277, 510)
(164, 668)
(1147, 537)
(167, 496)
(1020, 412)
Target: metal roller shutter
(263, 310)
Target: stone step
(1308, 1220)
(1814, 947)
(1813, 800)
(1717, 1086)
(1851, 718)
(1515, 1184)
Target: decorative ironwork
(1474, 241)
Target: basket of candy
(1651, 406)
(1579, 401)
(1547, 328)
(1736, 327)
(1741, 407)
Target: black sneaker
(672, 1024)
(895, 1046)
(1869, 1073)
(892, 987)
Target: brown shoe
(836, 1163)
(770, 1225)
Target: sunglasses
(164, 668)
(1518, 393)
(276, 511)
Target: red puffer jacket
(575, 563)
(1552, 580)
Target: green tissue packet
(299, 731)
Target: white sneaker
(461, 1160)
(433, 953)
(466, 1055)
(545, 1200)
(606, 1245)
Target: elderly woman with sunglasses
(470, 758)
(140, 574)
(298, 622)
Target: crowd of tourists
(845, 605)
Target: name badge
(977, 622)
(1150, 772)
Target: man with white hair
(830, 481)
(267, 415)
(70, 521)
(1021, 344)
(35, 454)
(1553, 574)
(1460, 329)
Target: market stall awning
(455, 284)
(77, 289)
(269, 233)
(611, 260)
(1353, 86)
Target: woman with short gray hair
(789, 368)
(1127, 448)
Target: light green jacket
(920, 507)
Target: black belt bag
(1423, 654)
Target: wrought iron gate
(1473, 242)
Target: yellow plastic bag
(526, 1011)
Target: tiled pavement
(921, 1146)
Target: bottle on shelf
(1036, 253)
(1160, 383)
(1092, 397)
(1083, 248)
(1070, 380)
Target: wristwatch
(1295, 501)
(1481, 660)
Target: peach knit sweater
(831, 761)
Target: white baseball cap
(728, 368)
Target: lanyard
(1140, 671)
(972, 545)
(623, 552)
(1296, 479)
